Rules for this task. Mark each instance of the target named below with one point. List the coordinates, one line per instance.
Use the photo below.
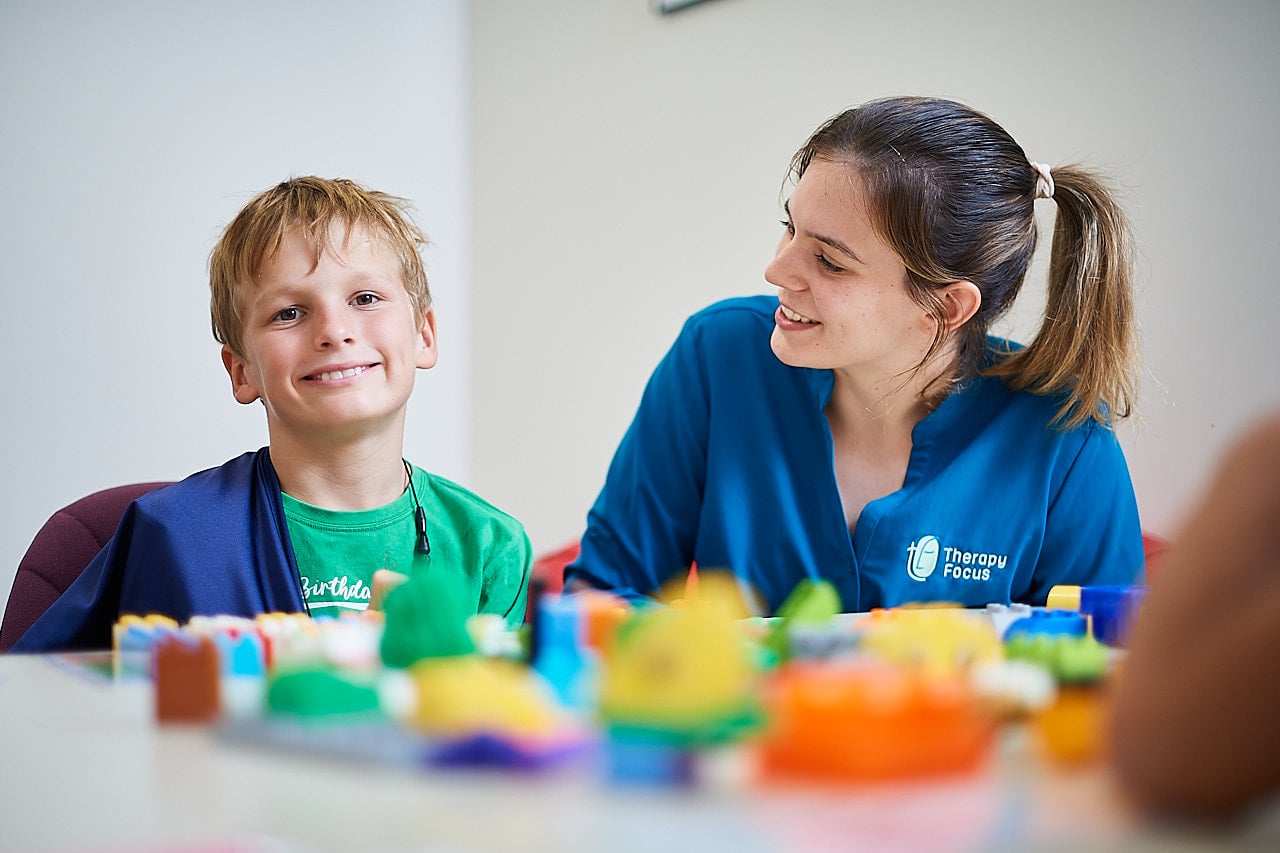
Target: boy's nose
(332, 328)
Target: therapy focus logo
(926, 554)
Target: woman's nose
(783, 271)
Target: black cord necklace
(423, 545)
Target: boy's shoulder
(231, 480)
(458, 498)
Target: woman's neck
(884, 409)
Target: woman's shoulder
(1026, 412)
(735, 312)
(737, 324)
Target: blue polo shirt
(728, 463)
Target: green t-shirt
(474, 546)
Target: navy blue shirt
(729, 464)
(214, 543)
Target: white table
(84, 767)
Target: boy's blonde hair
(310, 205)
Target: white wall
(628, 167)
(132, 132)
(625, 170)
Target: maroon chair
(61, 549)
(548, 574)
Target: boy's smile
(331, 343)
(337, 373)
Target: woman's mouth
(796, 318)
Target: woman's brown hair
(953, 195)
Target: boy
(321, 302)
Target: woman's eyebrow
(822, 238)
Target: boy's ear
(242, 386)
(960, 301)
(427, 343)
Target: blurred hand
(384, 580)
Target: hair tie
(1044, 180)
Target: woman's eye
(366, 299)
(285, 315)
(826, 264)
(791, 229)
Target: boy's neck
(354, 476)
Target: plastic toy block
(1071, 730)
(802, 627)
(1069, 659)
(812, 641)
(281, 633)
(811, 601)
(1013, 688)
(602, 614)
(1055, 623)
(1063, 597)
(561, 655)
(133, 641)
(467, 695)
(686, 670)
(492, 750)
(187, 688)
(633, 756)
(220, 624)
(350, 643)
(1111, 609)
(321, 692)
(936, 639)
(871, 722)
(426, 618)
(1004, 615)
(244, 676)
(139, 633)
(493, 639)
(242, 654)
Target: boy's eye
(285, 315)
(366, 299)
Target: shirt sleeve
(1093, 535)
(507, 573)
(642, 529)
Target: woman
(862, 427)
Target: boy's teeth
(339, 374)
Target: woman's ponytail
(1086, 346)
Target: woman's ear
(960, 301)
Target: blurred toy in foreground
(678, 678)
(687, 691)
(871, 721)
